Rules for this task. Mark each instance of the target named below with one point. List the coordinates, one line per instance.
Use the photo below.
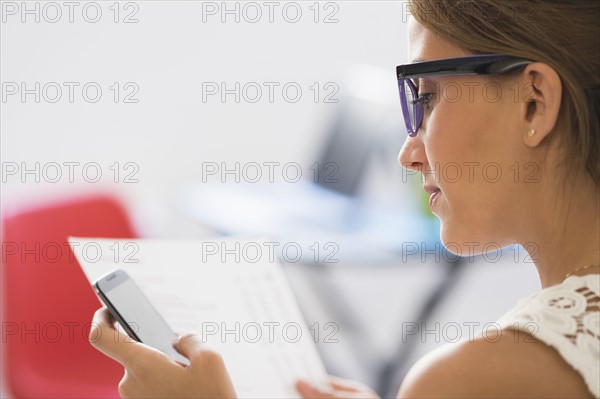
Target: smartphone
(135, 313)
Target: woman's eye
(424, 98)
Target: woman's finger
(190, 346)
(104, 337)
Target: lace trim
(567, 317)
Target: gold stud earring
(530, 133)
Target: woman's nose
(412, 155)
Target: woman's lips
(433, 191)
(433, 197)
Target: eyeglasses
(412, 104)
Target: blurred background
(191, 119)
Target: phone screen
(136, 314)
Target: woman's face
(470, 146)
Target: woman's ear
(541, 102)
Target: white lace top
(565, 316)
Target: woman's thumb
(189, 345)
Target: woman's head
(476, 133)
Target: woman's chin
(460, 244)
(469, 245)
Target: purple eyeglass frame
(484, 64)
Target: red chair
(48, 302)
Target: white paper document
(233, 292)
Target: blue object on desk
(306, 213)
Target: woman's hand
(151, 373)
(341, 389)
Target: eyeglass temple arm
(476, 65)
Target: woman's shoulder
(514, 364)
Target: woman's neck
(566, 233)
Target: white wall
(168, 54)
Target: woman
(532, 113)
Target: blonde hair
(565, 34)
